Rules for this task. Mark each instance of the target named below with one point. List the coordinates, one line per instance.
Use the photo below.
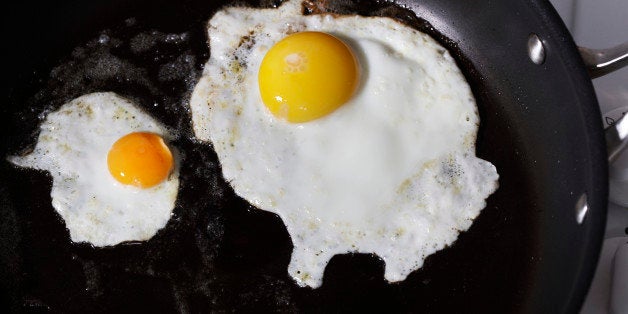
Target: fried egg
(359, 132)
(114, 178)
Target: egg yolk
(141, 159)
(307, 75)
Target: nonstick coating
(524, 253)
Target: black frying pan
(526, 252)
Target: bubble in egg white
(392, 172)
(73, 145)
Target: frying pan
(533, 248)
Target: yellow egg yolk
(141, 159)
(307, 75)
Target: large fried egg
(114, 177)
(359, 132)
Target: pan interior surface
(524, 253)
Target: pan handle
(617, 138)
(600, 62)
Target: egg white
(73, 145)
(392, 172)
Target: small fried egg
(359, 132)
(114, 177)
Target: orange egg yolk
(307, 75)
(141, 159)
